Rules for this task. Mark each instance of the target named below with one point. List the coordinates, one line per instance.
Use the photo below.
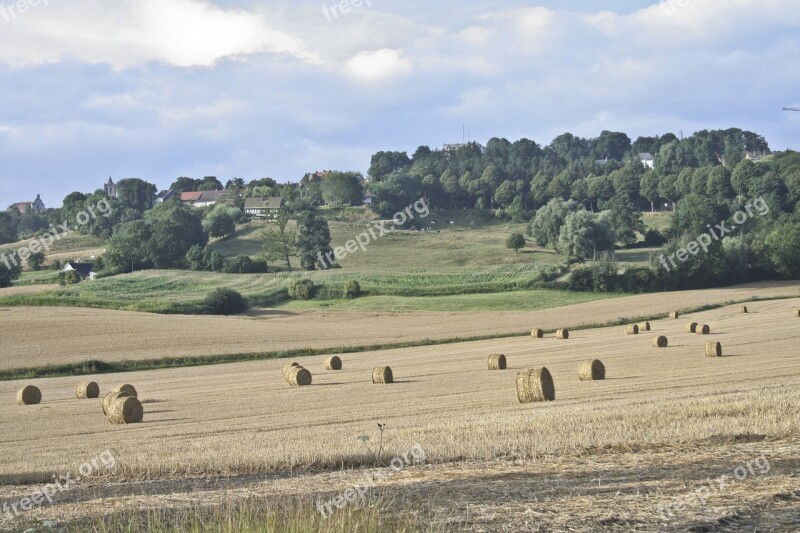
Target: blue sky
(157, 89)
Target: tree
(692, 214)
(174, 229)
(220, 224)
(8, 229)
(505, 194)
(648, 188)
(313, 241)
(184, 184)
(210, 183)
(204, 258)
(516, 241)
(612, 144)
(783, 246)
(548, 221)
(279, 241)
(8, 273)
(625, 219)
(128, 249)
(585, 233)
(342, 188)
(136, 194)
(35, 261)
(384, 163)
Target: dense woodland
(582, 197)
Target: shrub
(352, 290)
(654, 239)
(226, 302)
(581, 280)
(56, 264)
(69, 278)
(35, 261)
(243, 264)
(303, 289)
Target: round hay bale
(660, 342)
(797, 313)
(535, 386)
(591, 370)
(111, 397)
(126, 410)
(126, 388)
(537, 333)
(692, 328)
(703, 329)
(743, 310)
(333, 363)
(287, 367)
(497, 361)
(382, 375)
(713, 349)
(299, 377)
(29, 395)
(644, 326)
(633, 329)
(674, 315)
(562, 334)
(89, 390)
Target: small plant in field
(69, 278)
(226, 302)
(376, 454)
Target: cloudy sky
(157, 89)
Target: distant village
(258, 206)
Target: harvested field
(673, 406)
(42, 336)
(445, 400)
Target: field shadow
(261, 313)
(153, 401)
(185, 418)
(163, 411)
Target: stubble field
(661, 424)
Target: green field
(473, 240)
(184, 292)
(533, 300)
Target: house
(36, 206)
(189, 197)
(458, 146)
(601, 162)
(647, 160)
(163, 196)
(84, 270)
(208, 198)
(263, 207)
(111, 188)
(369, 199)
(753, 156)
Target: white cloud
(130, 32)
(377, 66)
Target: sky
(157, 89)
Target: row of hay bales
(298, 376)
(121, 405)
(561, 334)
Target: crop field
(662, 423)
(184, 292)
(39, 336)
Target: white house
(647, 160)
(84, 270)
